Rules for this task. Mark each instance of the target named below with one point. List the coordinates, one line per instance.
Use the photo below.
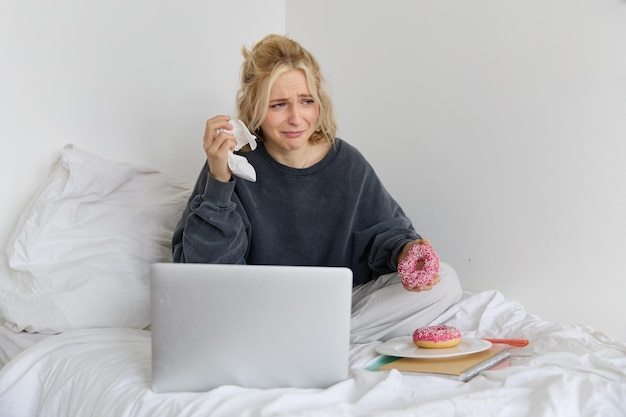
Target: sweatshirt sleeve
(213, 227)
(384, 230)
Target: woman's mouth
(293, 134)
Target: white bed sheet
(564, 371)
(12, 343)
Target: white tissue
(238, 164)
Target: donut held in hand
(411, 274)
(434, 337)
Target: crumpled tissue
(238, 164)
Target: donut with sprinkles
(411, 274)
(440, 336)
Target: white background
(499, 126)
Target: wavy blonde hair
(263, 64)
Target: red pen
(510, 342)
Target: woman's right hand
(216, 146)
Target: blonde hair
(263, 64)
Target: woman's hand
(216, 146)
(403, 254)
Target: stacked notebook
(464, 367)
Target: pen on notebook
(510, 342)
(484, 365)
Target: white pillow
(80, 253)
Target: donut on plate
(432, 337)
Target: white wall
(500, 126)
(127, 80)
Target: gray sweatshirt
(334, 213)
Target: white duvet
(564, 371)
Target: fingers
(214, 128)
(216, 143)
(216, 123)
(405, 250)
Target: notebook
(465, 367)
(253, 326)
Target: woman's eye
(277, 105)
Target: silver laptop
(251, 326)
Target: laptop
(253, 326)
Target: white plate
(405, 348)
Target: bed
(75, 339)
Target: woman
(316, 200)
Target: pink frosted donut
(441, 336)
(411, 276)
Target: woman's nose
(294, 115)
